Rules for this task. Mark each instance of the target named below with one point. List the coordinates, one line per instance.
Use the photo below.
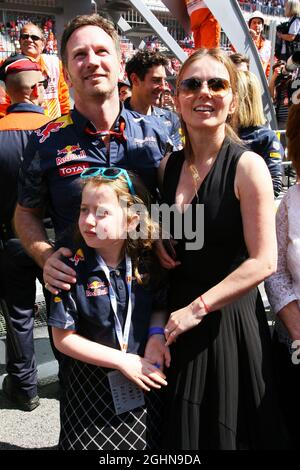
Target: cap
(124, 82)
(17, 63)
(256, 14)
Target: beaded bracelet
(155, 330)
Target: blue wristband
(155, 330)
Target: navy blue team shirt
(86, 308)
(57, 153)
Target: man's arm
(30, 229)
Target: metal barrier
(289, 176)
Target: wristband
(155, 330)
(206, 308)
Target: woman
(291, 30)
(252, 130)
(221, 391)
(283, 287)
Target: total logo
(68, 154)
(73, 170)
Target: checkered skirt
(89, 421)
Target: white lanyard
(122, 336)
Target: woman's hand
(183, 320)
(141, 372)
(157, 352)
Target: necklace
(196, 178)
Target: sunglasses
(217, 86)
(42, 82)
(110, 174)
(31, 36)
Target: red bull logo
(96, 288)
(69, 154)
(53, 126)
(45, 133)
(77, 257)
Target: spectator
(167, 99)
(32, 43)
(147, 76)
(252, 129)
(289, 32)
(283, 288)
(124, 89)
(25, 85)
(256, 23)
(241, 61)
(206, 30)
(281, 91)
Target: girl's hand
(141, 372)
(157, 352)
(183, 320)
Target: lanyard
(121, 335)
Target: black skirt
(89, 421)
(221, 393)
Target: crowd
(267, 7)
(156, 322)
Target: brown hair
(142, 61)
(293, 135)
(88, 20)
(238, 58)
(139, 249)
(222, 57)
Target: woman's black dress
(221, 393)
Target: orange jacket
(206, 29)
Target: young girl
(103, 322)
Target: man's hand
(253, 34)
(57, 275)
(164, 258)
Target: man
(166, 100)
(256, 23)
(95, 133)
(147, 76)
(124, 89)
(56, 99)
(206, 30)
(25, 84)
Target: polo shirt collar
(25, 108)
(92, 261)
(81, 122)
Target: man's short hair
(142, 61)
(88, 20)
